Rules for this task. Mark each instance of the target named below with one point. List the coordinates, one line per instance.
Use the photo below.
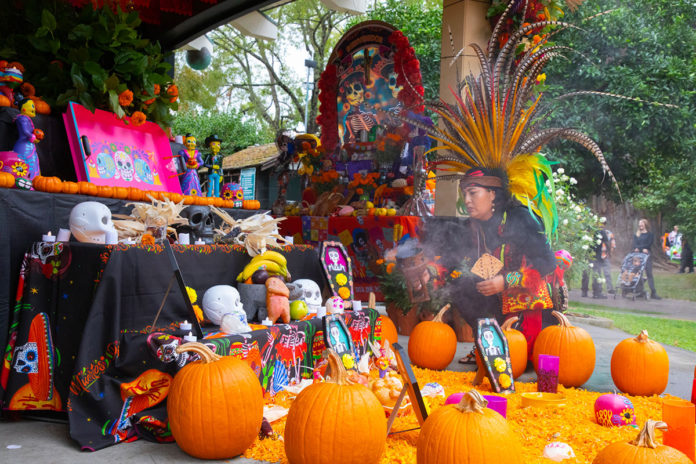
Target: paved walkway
(667, 308)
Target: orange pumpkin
(135, 194)
(176, 197)
(389, 330)
(154, 194)
(7, 180)
(105, 191)
(574, 347)
(70, 187)
(87, 188)
(47, 184)
(643, 450)
(189, 200)
(121, 193)
(640, 366)
(215, 405)
(228, 204)
(336, 408)
(251, 204)
(38, 183)
(467, 433)
(517, 345)
(432, 344)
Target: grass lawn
(669, 284)
(666, 331)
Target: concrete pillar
(467, 21)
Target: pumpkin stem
(562, 320)
(339, 375)
(201, 350)
(646, 437)
(438, 316)
(643, 336)
(507, 325)
(472, 401)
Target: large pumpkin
(574, 347)
(467, 433)
(215, 405)
(432, 344)
(335, 422)
(640, 366)
(643, 450)
(517, 344)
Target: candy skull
(308, 291)
(90, 221)
(143, 173)
(612, 410)
(335, 305)
(105, 165)
(223, 306)
(124, 165)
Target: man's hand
(491, 286)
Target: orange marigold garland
(138, 118)
(125, 98)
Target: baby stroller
(631, 277)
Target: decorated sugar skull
(307, 291)
(335, 305)
(563, 259)
(612, 410)
(232, 191)
(124, 165)
(223, 306)
(106, 167)
(27, 359)
(90, 221)
(558, 451)
(143, 173)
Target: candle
(179, 139)
(679, 415)
(199, 242)
(111, 237)
(190, 337)
(357, 305)
(497, 404)
(63, 235)
(184, 239)
(267, 322)
(547, 373)
(129, 241)
(186, 326)
(454, 398)
(48, 237)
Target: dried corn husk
(256, 232)
(159, 212)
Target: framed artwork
(493, 348)
(338, 269)
(107, 151)
(403, 363)
(337, 337)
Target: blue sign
(247, 179)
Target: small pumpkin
(105, 191)
(517, 344)
(37, 182)
(121, 193)
(135, 194)
(7, 180)
(189, 200)
(251, 204)
(48, 184)
(643, 450)
(215, 405)
(70, 187)
(87, 188)
(574, 347)
(467, 433)
(228, 204)
(640, 366)
(176, 197)
(389, 330)
(432, 344)
(340, 411)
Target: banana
(275, 256)
(271, 267)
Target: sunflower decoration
(20, 169)
(497, 118)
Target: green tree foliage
(235, 133)
(642, 50)
(421, 22)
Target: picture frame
(337, 337)
(338, 270)
(493, 349)
(107, 151)
(411, 387)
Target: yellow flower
(455, 274)
(341, 279)
(541, 78)
(504, 381)
(348, 361)
(500, 365)
(193, 296)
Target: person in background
(687, 256)
(601, 266)
(642, 242)
(672, 237)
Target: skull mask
(221, 300)
(27, 359)
(200, 222)
(307, 291)
(354, 93)
(90, 221)
(395, 89)
(124, 165)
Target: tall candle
(48, 237)
(547, 373)
(680, 434)
(63, 235)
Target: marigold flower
(390, 267)
(125, 98)
(138, 118)
(173, 92)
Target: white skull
(222, 305)
(90, 221)
(307, 291)
(27, 359)
(124, 165)
(335, 305)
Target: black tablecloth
(24, 217)
(96, 354)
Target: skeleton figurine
(90, 221)
(200, 222)
(309, 292)
(356, 120)
(223, 306)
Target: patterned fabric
(523, 299)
